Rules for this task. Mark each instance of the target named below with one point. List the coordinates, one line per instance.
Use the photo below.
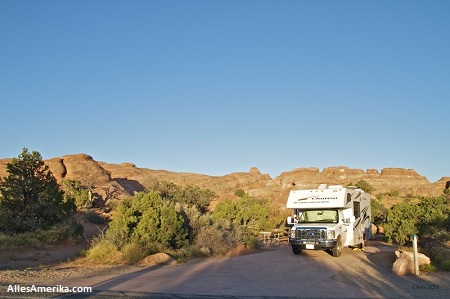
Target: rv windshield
(310, 216)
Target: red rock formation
(112, 180)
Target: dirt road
(276, 273)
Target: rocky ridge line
(114, 180)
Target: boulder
(404, 264)
(374, 229)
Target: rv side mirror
(289, 220)
(352, 219)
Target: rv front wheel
(337, 250)
(296, 250)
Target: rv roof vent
(322, 186)
(334, 186)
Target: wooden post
(416, 258)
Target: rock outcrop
(404, 264)
(113, 180)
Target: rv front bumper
(315, 245)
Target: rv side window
(356, 209)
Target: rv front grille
(311, 234)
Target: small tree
(401, 222)
(379, 212)
(78, 193)
(191, 195)
(365, 186)
(30, 196)
(239, 192)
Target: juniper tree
(30, 197)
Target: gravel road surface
(273, 273)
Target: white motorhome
(329, 218)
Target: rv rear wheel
(361, 245)
(296, 250)
(337, 250)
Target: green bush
(401, 223)
(41, 238)
(149, 220)
(365, 186)
(93, 217)
(239, 192)
(77, 192)
(249, 212)
(445, 265)
(218, 239)
(186, 253)
(191, 195)
(104, 252)
(252, 242)
(428, 218)
(394, 193)
(133, 253)
(427, 268)
(379, 212)
(440, 256)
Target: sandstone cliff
(113, 180)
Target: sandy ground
(60, 262)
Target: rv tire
(337, 250)
(361, 245)
(296, 250)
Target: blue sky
(216, 87)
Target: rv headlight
(293, 234)
(330, 234)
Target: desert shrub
(379, 212)
(194, 219)
(445, 265)
(427, 268)
(149, 220)
(104, 252)
(133, 253)
(401, 223)
(219, 238)
(77, 192)
(82, 253)
(60, 232)
(365, 186)
(186, 253)
(239, 192)
(250, 213)
(440, 256)
(252, 242)
(191, 195)
(41, 238)
(93, 217)
(394, 193)
(433, 213)
(427, 218)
